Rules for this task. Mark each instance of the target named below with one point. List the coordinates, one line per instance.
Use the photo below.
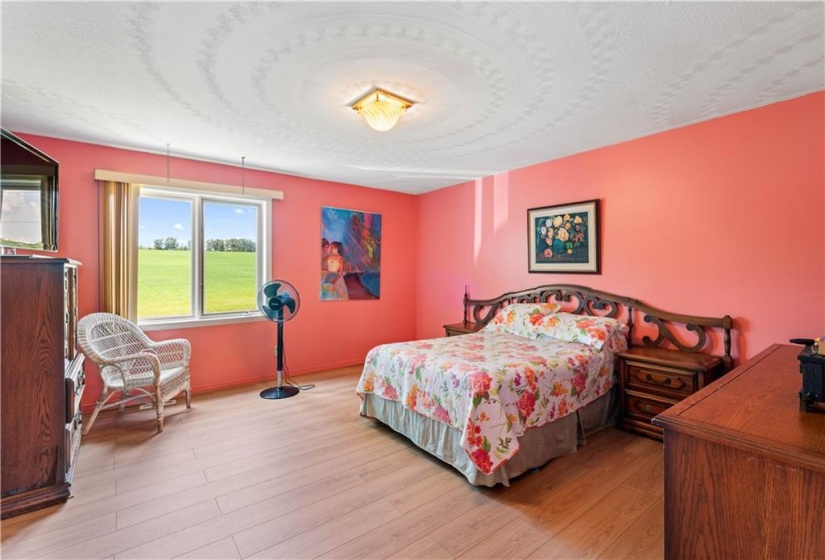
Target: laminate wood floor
(238, 476)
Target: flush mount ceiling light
(381, 109)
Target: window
(20, 212)
(28, 212)
(202, 256)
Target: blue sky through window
(225, 221)
(162, 217)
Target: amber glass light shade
(381, 109)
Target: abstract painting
(350, 254)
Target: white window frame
(263, 249)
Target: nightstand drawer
(644, 407)
(659, 379)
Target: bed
(531, 385)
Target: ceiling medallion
(381, 109)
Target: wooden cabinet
(42, 380)
(654, 379)
(744, 467)
(456, 329)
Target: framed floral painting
(564, 238)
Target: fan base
(279, 392)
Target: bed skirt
(537, 445)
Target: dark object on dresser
(744, 467)
(812, 368)
(42, 382)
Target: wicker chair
(132, 365)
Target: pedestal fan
(279, 301)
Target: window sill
(180, 323)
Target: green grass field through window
(165, 279)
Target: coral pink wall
(324, 334)
(722, 217)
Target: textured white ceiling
(498, 86)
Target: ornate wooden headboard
(587, 301)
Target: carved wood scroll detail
(587, 301)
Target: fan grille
(278, 300)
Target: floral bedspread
(490, 386)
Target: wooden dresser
(42, 381)
(744, 467)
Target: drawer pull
(644, 407)
(650, 379)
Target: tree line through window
(232, 245)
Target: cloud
(22, 205)
(239, 210)
(178, 226)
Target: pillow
(597, 332)
(520, 319)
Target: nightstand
(652, 380)
(461, 328)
